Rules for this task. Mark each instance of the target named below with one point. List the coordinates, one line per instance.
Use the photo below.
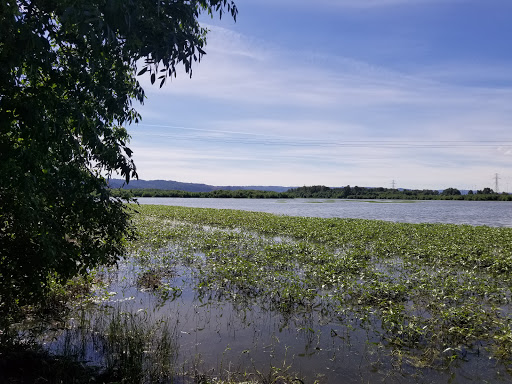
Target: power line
(302, 142)
(251, 138)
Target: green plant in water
(424, 294)
(400, 276)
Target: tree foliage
(68, 76)
(486, 191)
(219, 193)
(356, 192)
(450, 192)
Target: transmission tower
(496, 178)
(392, 184)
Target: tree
(450, 192)
(486, 191)
(68, 76)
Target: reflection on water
(352, 301)
(220, 334)
(491, 213)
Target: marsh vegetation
(210, 295)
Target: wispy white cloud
(289, 98)
(349, 93)
(368, 167)
(477, 74)
(241, 70)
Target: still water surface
(490, 213)
(217, 331)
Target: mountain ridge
(189, 187)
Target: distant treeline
(348, 192)
(323, 192)
(238, 194)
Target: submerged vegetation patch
(221, 294)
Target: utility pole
(496, 178)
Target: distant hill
(189, 187)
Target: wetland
(221, 295)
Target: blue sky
(337, 92)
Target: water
(490, 213)
(219, 333)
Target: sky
(376, 93)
